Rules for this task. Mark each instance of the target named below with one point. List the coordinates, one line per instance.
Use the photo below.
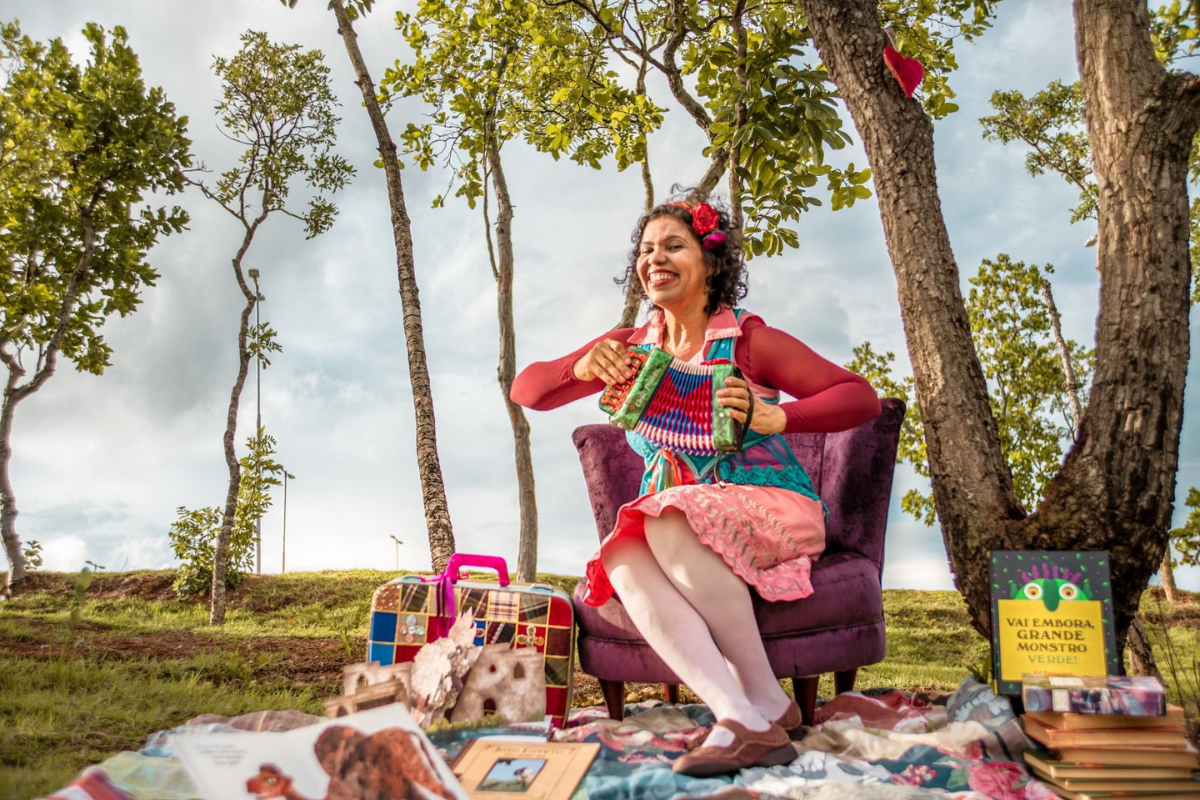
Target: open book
(372, 755)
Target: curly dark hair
(726, 282)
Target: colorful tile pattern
(528, 616)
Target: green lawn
(142, 660)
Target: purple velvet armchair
(837, 629)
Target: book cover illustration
(376, 753)
(1052, 612)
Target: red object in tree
(908, 71)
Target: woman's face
(671, 266)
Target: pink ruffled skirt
(768, 536)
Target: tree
(1013, 333)
(194, 534)
(433, 488)
(276, 103)
(736, 68)
(493, 71)
(1115, 489)
(1051, 123)
(80, 148)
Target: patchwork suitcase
(409, 611)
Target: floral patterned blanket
(883, 745)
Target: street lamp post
(398, 543)
(258, 298)
(286, 477)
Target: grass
(142, 660)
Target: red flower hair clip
(705, 220)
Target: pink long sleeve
(828, 397)
(544, 385)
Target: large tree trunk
(1115, 490)
(433, 490)
(972, 484)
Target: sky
(100, 464)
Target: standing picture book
(494, 768)
(1052, 613)
(376, 753)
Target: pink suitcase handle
(486, 562)
(447, 612)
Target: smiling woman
(710, 524)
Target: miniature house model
(507, 681)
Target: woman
(683, 554)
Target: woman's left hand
(737, 397)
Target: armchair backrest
(851, 471)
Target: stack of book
(1093, 756)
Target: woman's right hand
(606, 361)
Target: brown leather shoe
(749, 749)
(792, 721)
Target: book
(492, 768)
(1143, 787)
(1095, 695)
(1068, 794)
(1131, 755)
(1069, 721)
(1115, 737)
(1052, 613)
(1048, 767)
(380, 752)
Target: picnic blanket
(881, 744)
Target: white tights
(696, 613)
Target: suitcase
(408, 612)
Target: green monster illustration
(1051, 585)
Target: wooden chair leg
(671, 693)
(614, 698)
(805, 690)
(844, 681)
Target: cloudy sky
(101, 464)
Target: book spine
(1139, 702)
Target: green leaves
(1011, 328)
(494, 70)
(277, 103)
(193, 535)
(80, 147)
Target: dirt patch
(304, 662)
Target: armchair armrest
(856, 482)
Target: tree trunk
(633, 289)
(216, 611)
(972, 484)
(14, 393)
(1116, 487)
(216, 614)
(1141, 655)
(1166, 574)
(507, 370)
(15, 580)
(433, 490)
